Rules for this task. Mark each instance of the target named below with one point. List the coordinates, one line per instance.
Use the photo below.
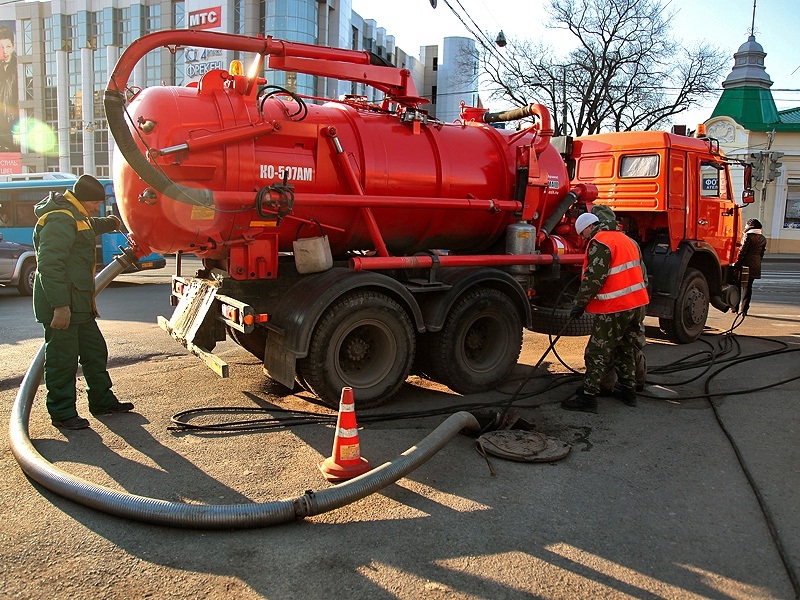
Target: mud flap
(188, 317)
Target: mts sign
(206, 18)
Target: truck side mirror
(748, 176)
(748, 196)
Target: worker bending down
(614, 289)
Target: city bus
(17, 220)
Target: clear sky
(724, 23)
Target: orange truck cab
(673, 195)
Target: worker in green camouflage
(609, 380)
(614, 289)
(63, 302)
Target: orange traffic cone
(346, 461)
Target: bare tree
(624, 73)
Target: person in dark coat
(751, 253)
(63, 302)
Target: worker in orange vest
(614, 289)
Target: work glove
(117, 221)
(576, 312)
(61, 317)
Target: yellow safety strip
(80, 224)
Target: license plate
(147, 265)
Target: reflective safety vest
(624, 288)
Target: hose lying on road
(234, 516)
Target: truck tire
(27, 278)
(553, 322)
(479, 343)
(365, 340)
(691, 309)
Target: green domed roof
(746, 97)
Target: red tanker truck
(347, 243)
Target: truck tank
(418, 180)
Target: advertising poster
(9, 87)
(206, 16)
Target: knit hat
(88, 189)
(753, 224)
(584, 221)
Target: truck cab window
(645, 165)
(709, 180)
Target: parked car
(17, 265)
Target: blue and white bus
(17, 220)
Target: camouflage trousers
(615, 347)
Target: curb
(782, 258)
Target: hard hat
(584, 221)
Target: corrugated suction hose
(235, 516)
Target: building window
(29, 82)
(433, 94)
(152, 18)
(238, 17)
(152, 62)
(435, 63)
(295, 21)
(179, 58)
(124, 26)
(99, 56)
(27, 38)
(791, 217)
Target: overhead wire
(480, 36)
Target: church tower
(746, 96)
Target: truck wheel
(364, 341)
(479, 343)
(691, 309)
(27, 278)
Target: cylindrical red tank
(417, 177)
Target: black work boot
(603, 393)
(119, 407)
(75, 422)
(581, 401)
(627, 395)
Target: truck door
(715, 214)
(678, 204)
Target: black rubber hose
(509, 115)
(558, 213)
(114, 104)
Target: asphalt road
(677, 498)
